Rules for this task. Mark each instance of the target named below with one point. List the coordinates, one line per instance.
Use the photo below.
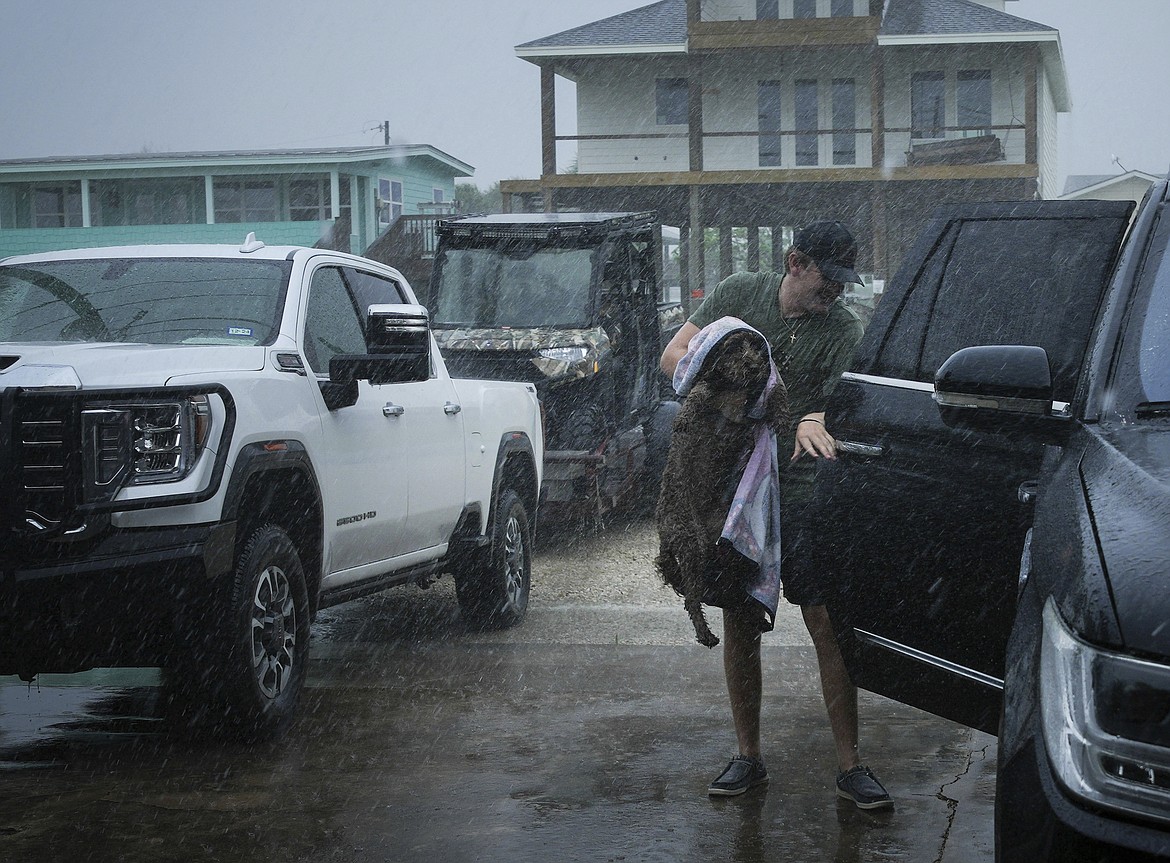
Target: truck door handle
(450, 408)
(393, 410)
(862, 449)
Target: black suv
(999, 520)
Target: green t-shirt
(810, 364)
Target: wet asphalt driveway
(588, 733)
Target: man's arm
(677, 349)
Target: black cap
(832, 249)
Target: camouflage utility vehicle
(570, 303)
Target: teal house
(338, 198)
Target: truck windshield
(507, 288)
(143, 300)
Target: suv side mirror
(999, 388)
(398, 341)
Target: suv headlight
(140, 443)
(1106, 721)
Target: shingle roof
(951, 17)
(1076, 182)
(665, 23)
(662, 23)
(287, 156)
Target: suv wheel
(493, 591)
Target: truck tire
(263, 647)
(493, 590)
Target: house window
(841, 9)
(244, 199)
(973, 101)
(768, 98)
(389, 201)
(844, 118)
(437, 196)
(806, 122)
(927, 105)
(767, 10)
(670, 99)
(309, 200)
(804, 8)
(57, 205)
(171, 201)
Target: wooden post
(778, 248)
(548, 121)
(877, 108)
(753, 248)
(695, 111)
(726, 264)
(695, 262)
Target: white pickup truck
(202, 445)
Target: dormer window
(767, 10)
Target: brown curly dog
(709, 445)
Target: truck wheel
(264, 645)
(584, 429)
(493, 591)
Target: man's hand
(813, 438)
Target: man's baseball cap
(832, 249)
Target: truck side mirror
(398, 341)
(999, 388)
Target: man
(813, 335)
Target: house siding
(617, 98)
(1046, 137)
(1007, 93)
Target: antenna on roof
(1116, 161)
(251, 244)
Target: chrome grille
(45, 456)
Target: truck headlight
(578, 360)
(1106, 721)
(140, 443)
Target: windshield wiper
(1146, 410)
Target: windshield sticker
(240, 331)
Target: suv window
(1155, 338)
(333, 324)
(981, 286)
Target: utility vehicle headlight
(141, 443)
(577, 360)
(1106, 721)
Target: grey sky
(121, 76)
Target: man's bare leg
(741, 666)
(839, 692)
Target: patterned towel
(753, 521)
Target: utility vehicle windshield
(152, 301)
(514, 287)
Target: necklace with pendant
(793, 331)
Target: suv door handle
(450, 408)
(393, 410)
(862, 449)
